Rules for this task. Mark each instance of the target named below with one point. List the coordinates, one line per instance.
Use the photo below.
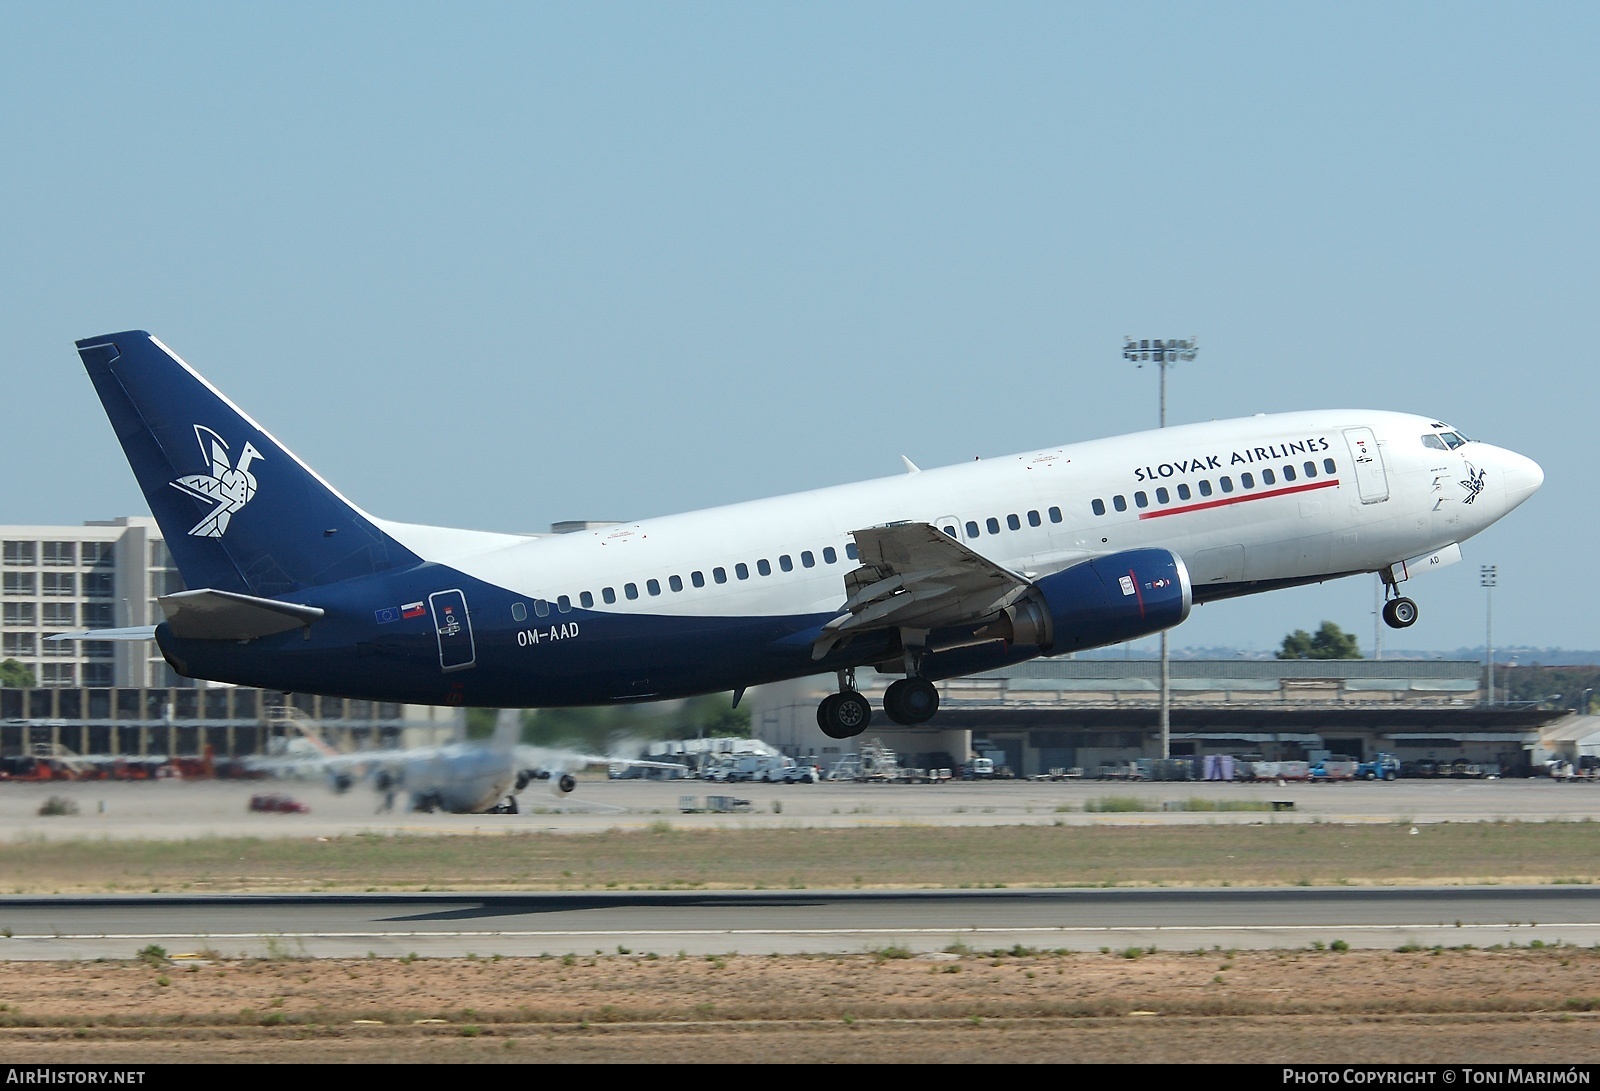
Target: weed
(154, 954)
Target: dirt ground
(1481, 1006)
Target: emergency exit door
(454, 628)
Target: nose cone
(1522, 477)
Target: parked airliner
(462, 777)
(930, 574)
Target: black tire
(911, 701)
(1400, 613)
(844, 715)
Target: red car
(276, 804)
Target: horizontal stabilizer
(135, 632)
(209, 614)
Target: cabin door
(1371, 482)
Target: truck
(1381, 767)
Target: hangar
(1082, 713)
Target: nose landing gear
(1400, 613)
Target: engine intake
(1118, 597)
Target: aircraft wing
(914, 576)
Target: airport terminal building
(1084, 713)
(102, 575)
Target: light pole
(1163, 354)
(1487, 577)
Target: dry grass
(899, 856)
(1243, 1006)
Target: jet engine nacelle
(1118, 597)
(562, 784)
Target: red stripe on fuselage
(1226, 500)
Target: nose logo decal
(230, 487)
(1473, 484)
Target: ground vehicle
(1335, 767)
(1382, 767)
(978, 769)
(271, 803)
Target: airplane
(461, 777)
(929, 574)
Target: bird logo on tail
(229, 487)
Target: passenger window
(1327, 464)
(720, 575)
(972, 529)
(1013, 522)
(519, 611)
(808, 559)
(631, 590)
(764, 567)
(1247, 480)
(1205, 487)
(785, 563)
(1288, 473)
(564, 604)
(1226, 484)
(541, 607)
(1098, 506)
(828, 555)
(1183, 492)
(1119, 502)
(1055, 515)
(1162, 495)
(742, 570)
(675, 582)
(949, 530)
(1311, 469)
(609, 594)
(585, 599)
(1267, 478)
(697, 578)
(1431, 440)
(1033, 519)
(993, 524)
(653, 586)
(1140, 500)
(850, 550)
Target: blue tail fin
(238, 511)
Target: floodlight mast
(1163, 354)
(1488, 577)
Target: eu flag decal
(387, 614)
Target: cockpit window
(1453, 439)
(1431, 440)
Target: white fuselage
(1240, 509)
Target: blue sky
(498, 265)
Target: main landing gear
(911, 700)
(845, 714)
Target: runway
(791, 922)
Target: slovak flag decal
(412, 609)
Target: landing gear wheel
(1400, 613)
(844, 715)
(911, 701)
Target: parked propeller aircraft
(930, 574)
